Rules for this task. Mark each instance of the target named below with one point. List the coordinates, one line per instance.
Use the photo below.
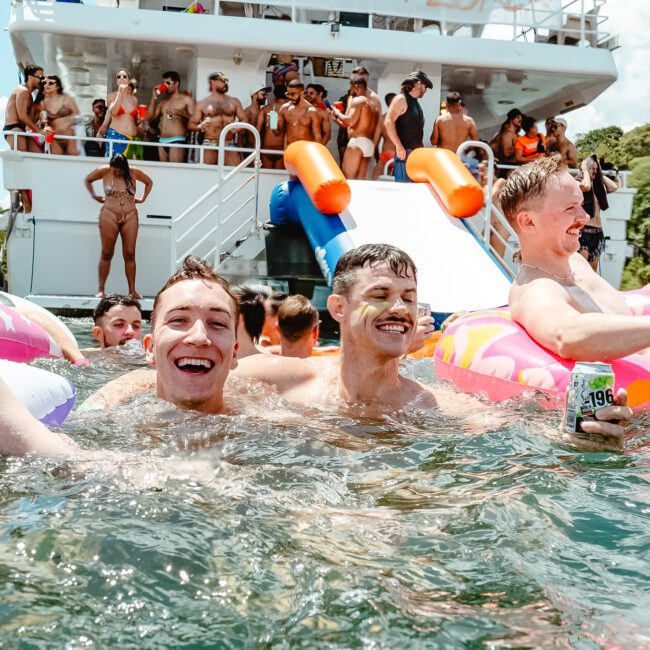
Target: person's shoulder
(420, 395)
(121, 389)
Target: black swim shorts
(592, 240)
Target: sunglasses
(293, 93)
(39, 76)
(49, 82)
(122, 76)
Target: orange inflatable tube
(451, 180)
(319, 174)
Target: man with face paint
(298, 119)
(213, 114)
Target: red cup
(163, 88)
(49, 138)
(338, 106)
(142, 111)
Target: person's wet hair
(113, 300)
(251, 309)
(453, 98)
(275, 300)
(399, 262)
(526, 185)
(119, 161)
(296, 318)
(99, 101)
(195, 268)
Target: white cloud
(625, 103)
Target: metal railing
(495, 232)
(578, 19)
(225, 233)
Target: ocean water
(284, 527)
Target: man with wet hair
(118, 319)
(213, 114)
(299, 326)
(557, 297)
(251, 320)
(298, 119)
(270, 332)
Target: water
(285, 528)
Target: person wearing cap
(267, 120)
(258, 93)
(561, 144)
(315, 94)
(503, 143)
(454, 127)
(405, 121)
(213, 114)
(174, 110)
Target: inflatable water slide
(424, 218)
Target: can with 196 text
(591, 387)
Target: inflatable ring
(23, 340)
(487, 353)
(47, 396)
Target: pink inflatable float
(488, 353)
(23, 340)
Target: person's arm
(282, 120)
(520, 159)
(351, 117)
(315, 125)
(377, 134)
(284, 373)
(435, 134)
(114, 106)
(586, 180)
(121, 389)
(326, 131)
(473, 130)
(95, 175)
(23, 100)
(544, 311)
(609, 184)
(21, 433)
(196, 121)
(240, 112)
(139, 175)
(260, 125)
(508, 145)
(571, 156)
(397, 107)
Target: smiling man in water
(118, 320)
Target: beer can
(424, 309)
(591, 387)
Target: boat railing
(223, 205)
(561, 22)
(490, 225)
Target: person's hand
(425, 328)
(400, 152)
(605, 433)
(101, 132)
(47, 130)
(454, 317)
(99, 199)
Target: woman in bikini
(61, 112)
(122, 115)
(118, 215)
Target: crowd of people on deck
(287, 111)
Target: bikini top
(132, 113)
(64, 111)
(110, 190)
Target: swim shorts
(400, 169)
(385, 156)
(592, 240)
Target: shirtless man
(387, 150)
(298, 119)
(18, 117)
(503, 144)
(174, 110)
(372, 96)
(557, 297)
(315, 94)
(299, 327)
(453, 128)
(267, 120)
(561, 144)
(361, 121)
(258, 93)
(213, 114)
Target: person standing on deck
(298, 119)
(267, 120)
(455, 127)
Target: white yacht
(545, 57)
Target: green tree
(602, 142)
(633, 144)
(637, 270)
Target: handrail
(218, 189)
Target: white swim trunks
(365, 144)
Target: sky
(625, 103)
